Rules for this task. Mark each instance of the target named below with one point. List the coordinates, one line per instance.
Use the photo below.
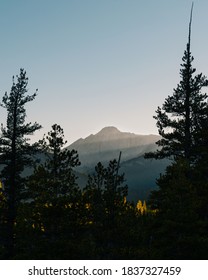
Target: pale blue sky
(99, 62)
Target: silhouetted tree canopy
(180, 121)
(15, 150)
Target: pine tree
(93, 195)
(55, 176)
(178, 226)
(182, 124)
(115, 190)
(54, 193)
(106, 187)
(179, 121)
(105, 201)
(15, 150)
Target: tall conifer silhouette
(15, 151)
(178, 119)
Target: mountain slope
(104, 146)
(141, 175)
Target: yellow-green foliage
(141, 207)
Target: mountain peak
(109, 130)
(108, 141)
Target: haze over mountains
(140, 173)
(104, 146)
(107, 143)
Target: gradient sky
(99, 63)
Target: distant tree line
(48, 216)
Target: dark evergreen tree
(55, 198)
(15, 151)
(179, 225)
(93, 195)
(105, 201)
(115, 190)
(180, 119)
(105, 190)
(180, 200)
(57, 169)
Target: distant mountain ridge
(109, 141)
(114, 136)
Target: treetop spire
(190, 21)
